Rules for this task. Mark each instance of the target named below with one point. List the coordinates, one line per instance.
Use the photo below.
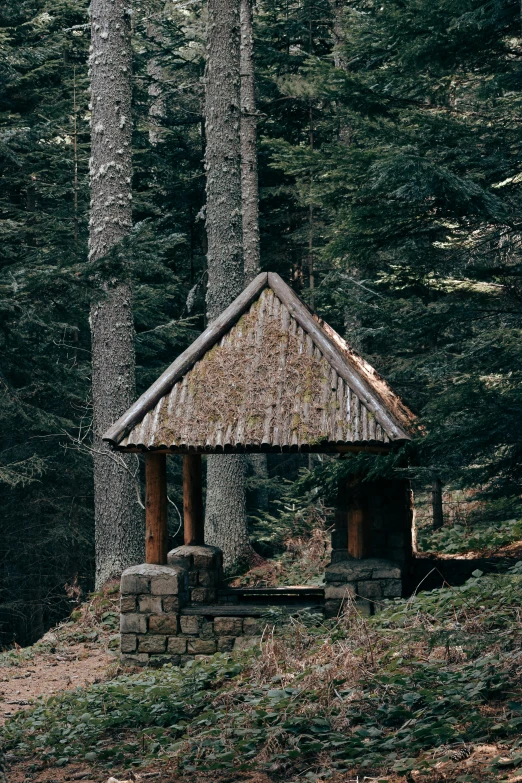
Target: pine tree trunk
(157, 107)
(225, 523)
(119, 531)
(250, 192)
(249, 181)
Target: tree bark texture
(225, 521)
(223, 157)
(119, 532)
(157, 104)
(249, 179)
(250, 192)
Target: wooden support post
(340, 531)
(156, 530)
(436, 502)
(358, 523)
(193, 519)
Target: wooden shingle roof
(266, 375)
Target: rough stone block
(226, 643)
(189, 624)
(139, 659)
(183, 659)
(391, 571)
(127, 603)
(181, 556)
(201, 646)
(163, 623)
(206, 628)
(171, 604)
(149, 603)
(168, 580)
(133, 623)
(371, 588)
(207, 557)
(177, 645)
(152, 644)
(208, 578)
(193, 577)
(197, 556)
(339, 593)
(202, 595)
(253, 627)
(348, 571)
(135, 580)
(244, 643)
(392, 588)
(128, 642)
(228, 626)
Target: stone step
(305, 591)
(247, 610)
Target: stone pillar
(151, 599)
(170, 614)
(204, 567)
(365, 583)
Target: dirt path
(48, 673)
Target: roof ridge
(373, 391)
(180, 366)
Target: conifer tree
(119, 528)
(226, 487)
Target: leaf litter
(427, 690)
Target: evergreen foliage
(389, 156)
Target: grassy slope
(428, 690)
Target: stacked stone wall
(163, 617)
(364, 582)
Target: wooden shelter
(268, 376)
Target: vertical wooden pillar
(156, 530)
(358, 523)
(340, 531)
(193, 519)
(436, 502)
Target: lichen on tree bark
(119, 537)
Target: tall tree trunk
(119, 531)
(226, 495)
(250, 193)
(157, 106)
(249, 181)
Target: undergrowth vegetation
(462, 538)
(423, 681)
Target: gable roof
(266, 375)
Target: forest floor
(429, 690)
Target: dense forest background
(390, 165)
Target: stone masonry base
(163, 617)
(365, 582)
